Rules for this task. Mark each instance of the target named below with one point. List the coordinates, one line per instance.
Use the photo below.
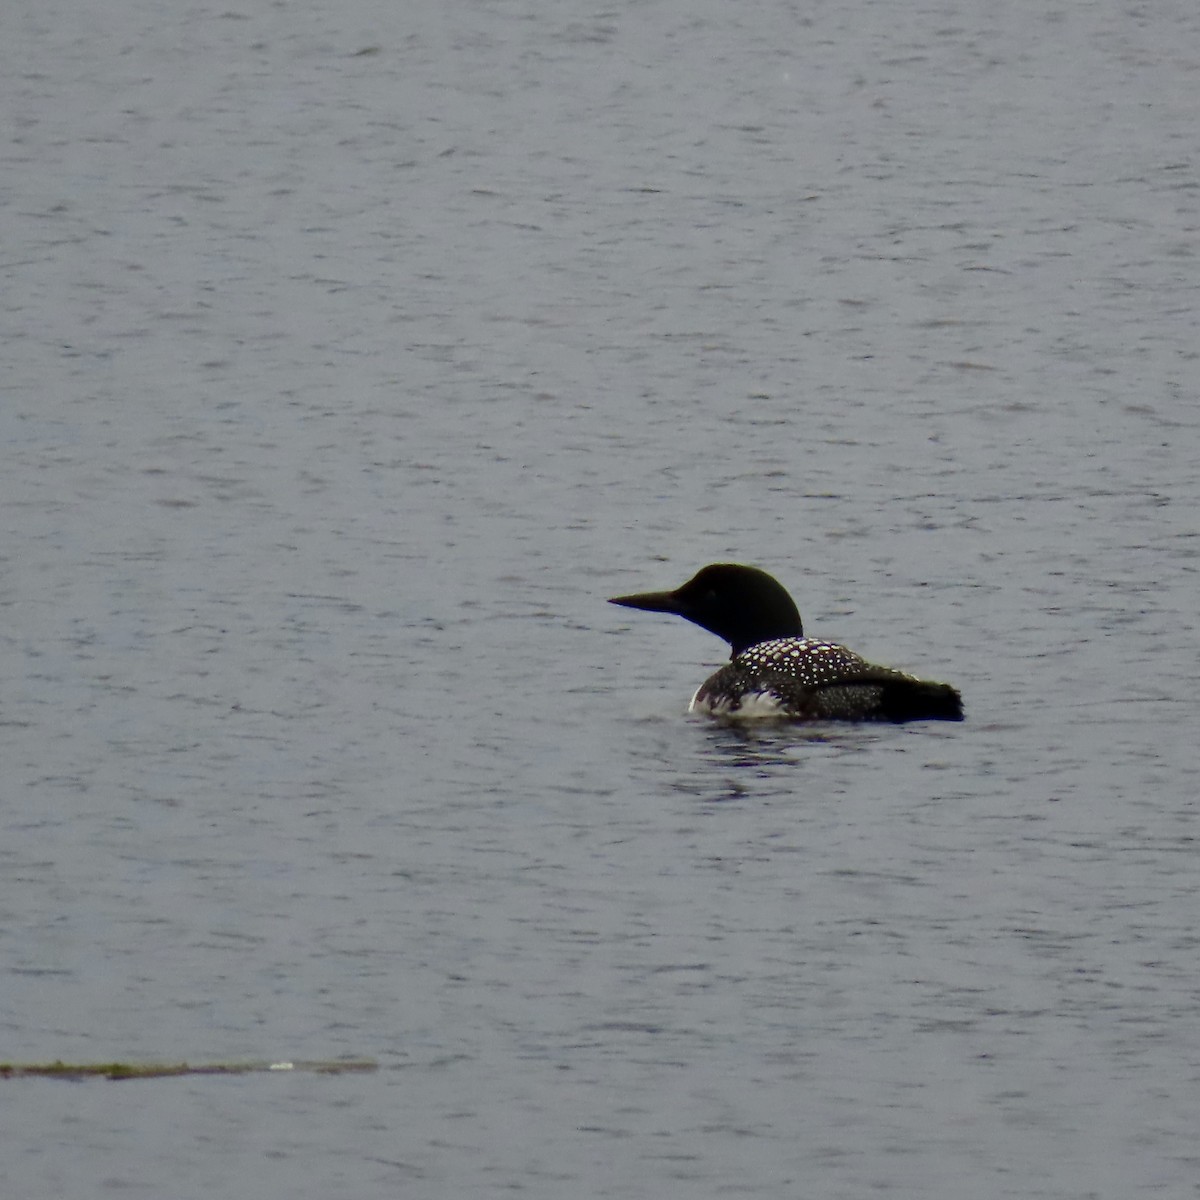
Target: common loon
(775, 671)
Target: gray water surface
(355, 353)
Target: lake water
(355, 353)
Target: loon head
(743, 605)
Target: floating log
(120, 1070)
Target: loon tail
(920, 700)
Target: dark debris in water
(119, 1070)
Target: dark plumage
(775, 670)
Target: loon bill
(775, 671)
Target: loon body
(775, 671)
